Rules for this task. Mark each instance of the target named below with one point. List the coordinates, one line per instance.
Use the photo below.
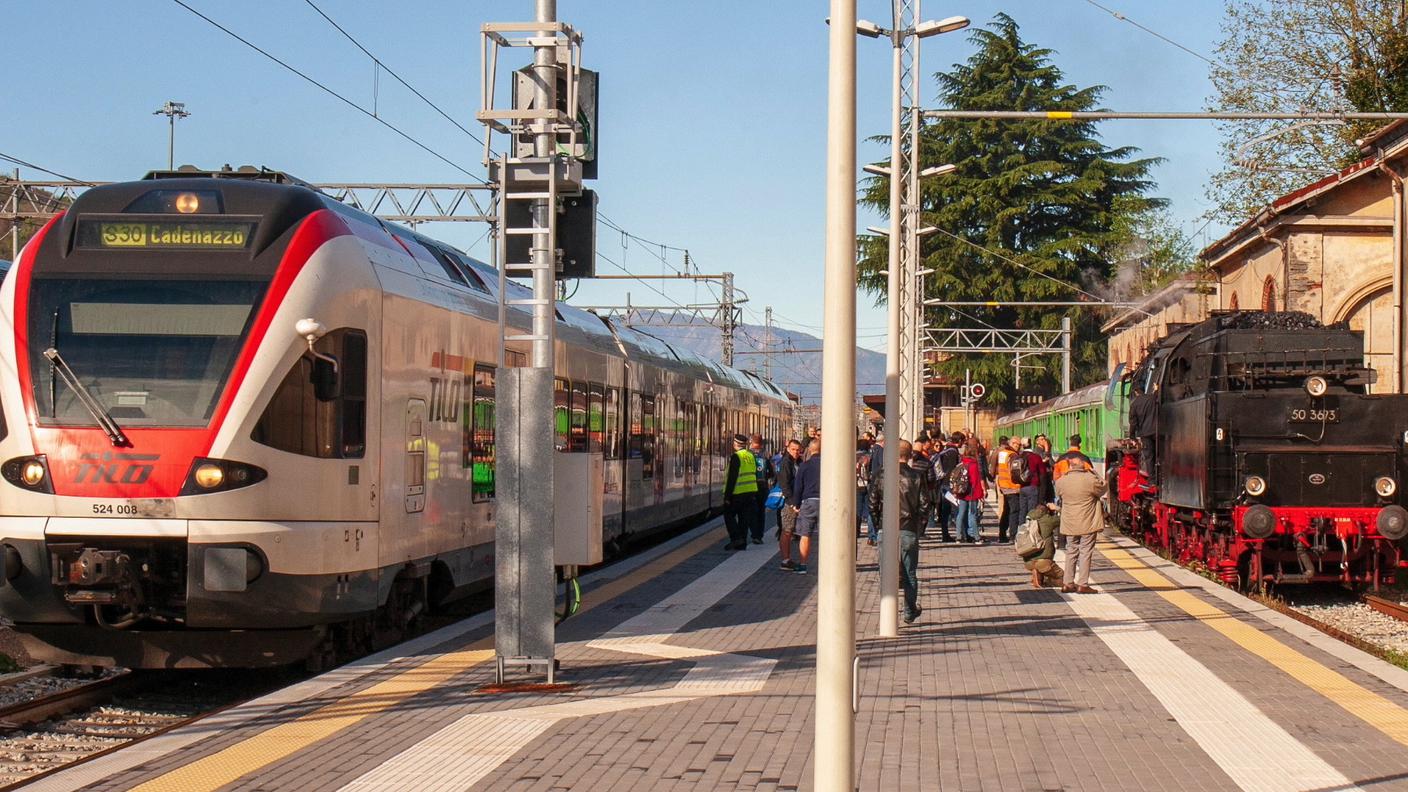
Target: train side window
(613, 423)
(596, 417)
(481, 434)
(415, 455)
(649, 432)
(561, 413)
(298, 421)
(577, 434)
(476, 282)
(451, 268)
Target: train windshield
(152, 352)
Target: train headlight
(1385, 486)
(187, 203)
(1255, 486)
(1316, 385)
(209, 476)
(219, 475)
(28, 472)
(32, 473)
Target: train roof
(1083, 397)
(260, 191)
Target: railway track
(75, 724)
(1387, 607)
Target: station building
(1334, 249)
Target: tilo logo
(104, 468)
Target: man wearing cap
(740, 494)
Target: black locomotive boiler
(1254, 446)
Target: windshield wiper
(85, 397)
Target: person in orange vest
(1063, 462)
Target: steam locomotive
(1254, 447)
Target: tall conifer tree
(1047, 194)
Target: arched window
(1268, 294)
(1233, 305)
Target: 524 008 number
(114, 508)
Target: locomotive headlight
(1316, 385)
(1255, 486)
(32, 473)
(187, 203)
(209, 476)
(1385, 486)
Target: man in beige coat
(1082, 520)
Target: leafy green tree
(1290, 56)
(1036, 210)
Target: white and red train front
(187, 479)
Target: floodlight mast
(903, 394)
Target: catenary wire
(1011, 260)
(381, 63)
(32, 166)
(331, 92)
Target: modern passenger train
(190, 481)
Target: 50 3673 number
(1313, 415)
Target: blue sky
(712, 123)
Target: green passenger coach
(1096, 413)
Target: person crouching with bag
(1036, 544)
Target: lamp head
(933, 28)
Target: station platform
(691, 667)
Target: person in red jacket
(970, 504)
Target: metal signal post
(537, 172)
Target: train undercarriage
(1301, 545)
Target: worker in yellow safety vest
(741, 495)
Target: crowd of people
(946, 482)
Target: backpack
(1028, 542)
(1019, 468)
(775, 499)
(958, 481)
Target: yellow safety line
(263, 749)
(1377, 711)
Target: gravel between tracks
(1355, 618)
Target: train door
(415, 456)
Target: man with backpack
(914, 506)
(946, 460)
(1030, 475)
(966, 484)
(1009, 517)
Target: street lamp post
(898, 420)
(172, 111)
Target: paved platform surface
(692, 669)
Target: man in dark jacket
(787, 515)
(947, 460)
(922, 464)
(766, 476)
(806, 490)
(915, 504)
